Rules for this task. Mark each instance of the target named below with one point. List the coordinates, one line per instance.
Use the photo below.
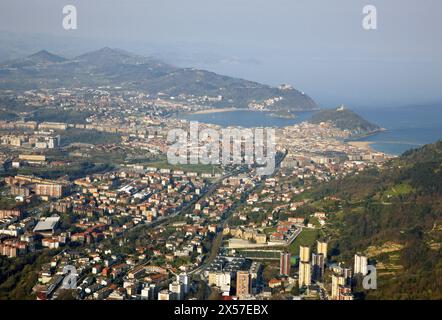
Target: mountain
(41, 58)
(118, 68)
(108, 56)
(44, 56)
(345, 119)
(394, 216)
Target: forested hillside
(394, 215)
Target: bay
(246, 118)
(407, 127)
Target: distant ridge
(106, 56)
(40, 57)
(119, 68)
(44, 56)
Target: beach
(365, 145)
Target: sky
(319, 47)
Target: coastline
(368, 146)
(364, 145)
(366, 135)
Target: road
(218, 239)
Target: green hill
(394, 215)
(345, 119)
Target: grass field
(269, 230)
(307, 237)
(74, 171)
(88, 136)
(398, 190)
(261, 254)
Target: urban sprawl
(98, 198)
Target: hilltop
(38, 59)
(107, 56)
(345, 119)
(44, 56)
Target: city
(135, 230)
(229, 158)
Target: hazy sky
(318, 46)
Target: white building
(361, 263)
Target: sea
(246, 119)
(407, 127)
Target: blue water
(407, 127)
(246, 119)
